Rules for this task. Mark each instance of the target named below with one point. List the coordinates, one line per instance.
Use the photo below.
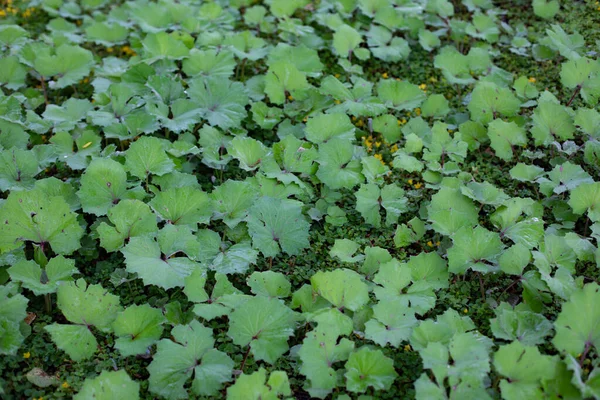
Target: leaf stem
(575, 93)
(244, 360)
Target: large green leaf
(129, 218)
(343, 288)
(366, 367)
(137, 328)
(265, 324)
(189, 353)
(221, 101)
(477, 249)
(43, 281)
(35, 217)
(109, 385)
(278, 225)
(576, 325)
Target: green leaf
(545, 9)
(345, 40)
(527, 327)
(343, 288)
(551, 122)
(369, 198)
(338, 166)
(18, 168)
(109, 385)
(189, 353)
(249, 152)
(284, 78)
(319, 352)
(232, 200)
(147, 156)
(182, 206)
(13, 310)
(265, 324)
(103, 184)
(489, 101)
(75, 340)
(576, 324)
(366, 367)
(87, 305)
(392, 323)
(43, 281)
(12, 72)
(525, 369)
(256, 386)
(525, 173)
(514, 259)
(157, 262)
(270, 284)
(582, 74)
(130, 218)
(400, 95)
(477, 249)
(209, 64)
(344, 249)
(449, 211)
(33, 216)
(323, 127)
(278, 225)
(68, 63)
(586, 198)
(162, 46)
(484, 193)
(504, 136)
(137, 328)
(564, 177)
(220, 101)
(106, 33)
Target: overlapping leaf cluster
(196, 145)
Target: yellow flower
(438, 243)
(26, 355)
(304, 119)
(65, 385)
(466, 310)
(403, 120)
(109, 49)
(353, 118)
(290, 98)
(433, 79)
(418, 185)
(423, 86)
(337, 102)
(360, 123)
(384, 75)
(378, 156)
(430, 243)
(394, 148)
(532, 79)
(410, 181)
(337, 75)
(378, 144)
(418, 111)
(2, 13)
(407, 347)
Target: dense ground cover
(293, 198)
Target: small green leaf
(519, 324)
(342, 287)
(270, 284)
(130, 218)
